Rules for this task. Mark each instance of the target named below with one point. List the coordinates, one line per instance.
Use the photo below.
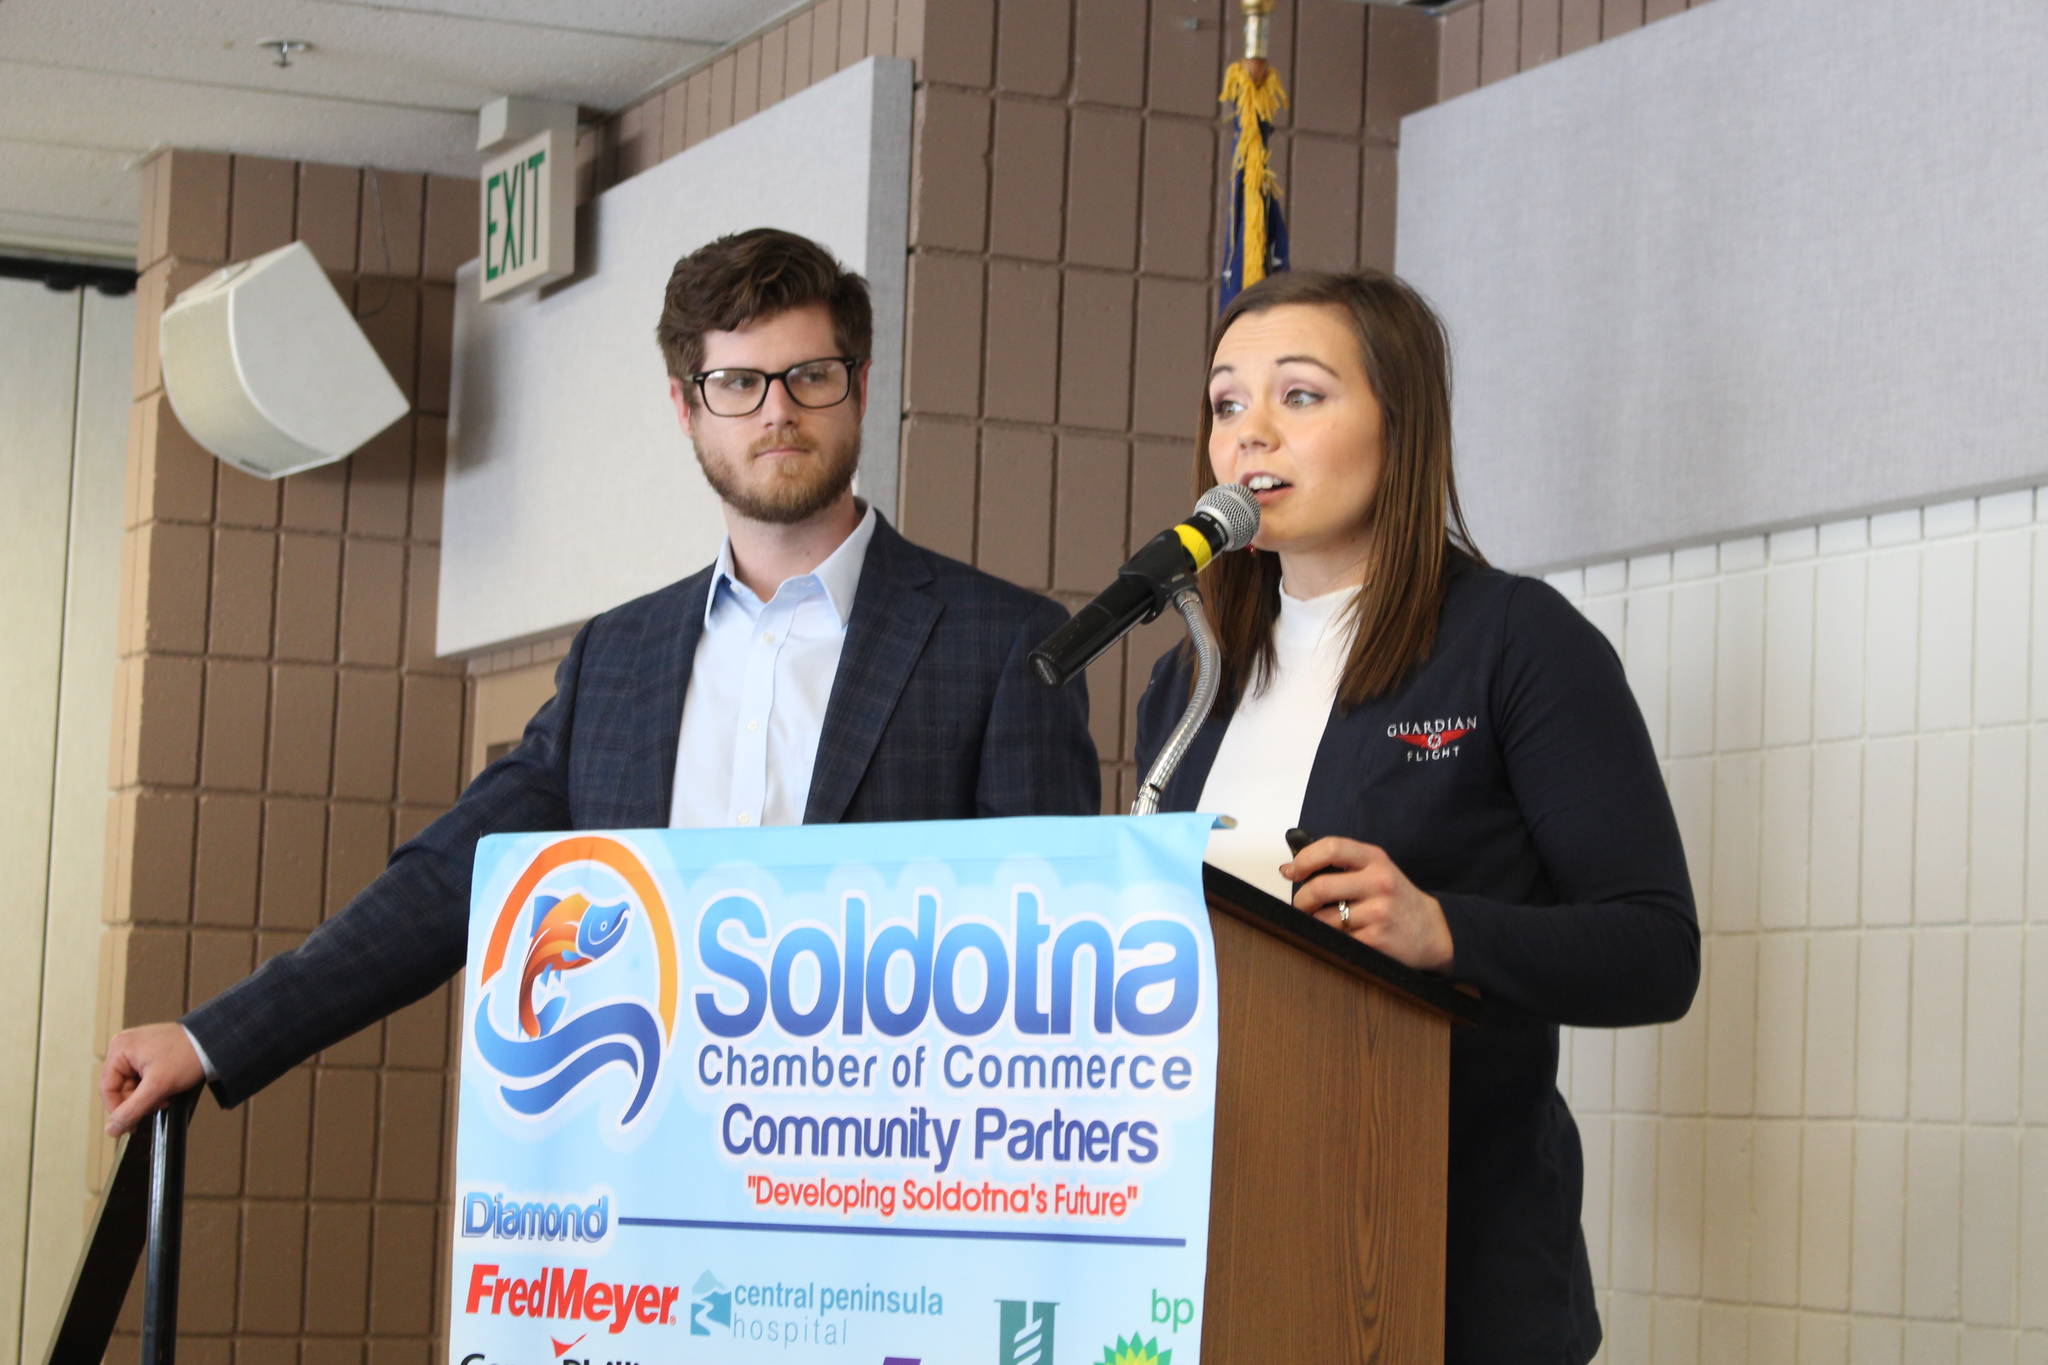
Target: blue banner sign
(914, 1094)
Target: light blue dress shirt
(755, 705)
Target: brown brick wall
(281, 723)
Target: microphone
(1226, 518)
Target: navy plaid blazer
(934, 714)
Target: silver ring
(1343, 914)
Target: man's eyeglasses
(809, 384)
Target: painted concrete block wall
(1841, 1154)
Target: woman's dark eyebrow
(1283, 360)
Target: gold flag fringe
(1257, 102)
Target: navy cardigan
(1509, 775)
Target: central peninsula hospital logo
(584, 919)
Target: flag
(1256, 245)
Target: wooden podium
(1326, 1211)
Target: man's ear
(679, 396)
(865, 366)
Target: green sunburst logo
(1135, 1350)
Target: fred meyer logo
(569, 1295)
(512, 1220)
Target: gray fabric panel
(1758, 264)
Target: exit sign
(528, 207)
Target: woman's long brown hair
(1415, 518)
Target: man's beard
(787, 499)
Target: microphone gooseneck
(1226, 518)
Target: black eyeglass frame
(852, 364)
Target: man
(823, 669)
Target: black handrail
(143, 1205)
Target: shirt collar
(838, 575)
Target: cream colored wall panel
(2037, 825)
(1781, 1025)
(1947, 611)
(1892, 645)
(1838, 615)
(1786, 838)
(1941, 830)
(1940, 957)
(1634, 1211)
(1831, 1026)
(1738, 841)
(1878, 1261)
(1888, 806)
(1884, 1014)
(1681, 1207)
(1877, 1340)
(65, 1060)
(1788, 652)
(1990, 1225)
(1724, 1240)
(1676, 1323)
(1826, 1198)
(1692, 669)
(1739, 663)
(2033, 1262)
(1629, 1331)
(2004, 579)
(1998, 826)
(2034, 1035)
(1682, 1066)
(1728, 1001)
(1993, 1027)
(1836, 835)
(38, 371)
(1774, 1215)
(1934, 1189)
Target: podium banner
(909, 1094)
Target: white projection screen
(570, 488)
(1755, 265)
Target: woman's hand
(1363, 894)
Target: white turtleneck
(1262, 766)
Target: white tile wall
(1841, 1155)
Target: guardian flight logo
(585, 919)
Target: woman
(1464, 742)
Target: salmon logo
(584, 918)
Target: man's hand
(145, 1067)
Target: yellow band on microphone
(1197, 545)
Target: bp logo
(1134, 1350)
(579, 977)
(1025, 1332)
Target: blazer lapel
(891, 622)
(662, 666)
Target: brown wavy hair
(1415, 518)
(726, 284)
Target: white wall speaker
(266, 368)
